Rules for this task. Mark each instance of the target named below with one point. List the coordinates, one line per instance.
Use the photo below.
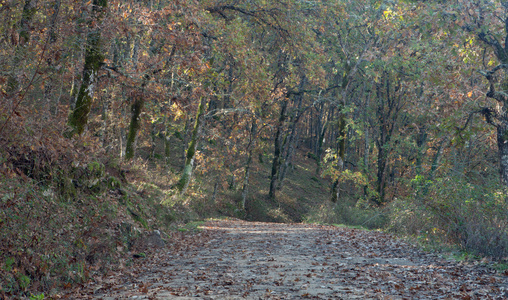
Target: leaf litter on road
(233, 259)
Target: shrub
(473, 216)
(347, 212)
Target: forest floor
(231, 259)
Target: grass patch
(349, 213)
(350, 226)
(191, 226)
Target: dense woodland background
(117, 115)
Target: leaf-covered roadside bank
(76, 220)
(120, 115)
(253, 260)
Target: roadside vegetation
(122, 121)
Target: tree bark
(191, 150)
(167, 141)
(245, 189)
(288, 158)
(94, 58)
(277, 150)
(497, 116)
(136, 108)
(135, 124)
(341, 153)
(320, 146)
(389, 106)
(289, 142)
(50, 84)
(502, 144)
(29, 10)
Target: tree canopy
(401, 105)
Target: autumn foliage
(395, 110)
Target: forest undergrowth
(68, 214)
(123, 120)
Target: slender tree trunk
(104, 129)
(185, 137)
(390, 104)
(153, 138)
(121, 130)
(215, 190)
(288, 159)
(381, 168)
(136, 108)
(382, 144)
(341, 144)
(366, 145)
(94, 58)
(341, 153)
(434, 166)
(135, 124)
(167, 140)
(191, 150)
(421, 147)
(277, 150)
(502, 143)
(311, 133)
(22, 40)
(245, 189)
(320, 147)
(50, 83)
(289, 142)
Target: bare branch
(489, 74)
(491, 116)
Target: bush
(475, 217)
(349, 213)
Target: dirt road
(245, 260)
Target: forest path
(251, 260)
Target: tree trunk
(366, 141)
(29, 10)
(276, 152)
(289, 142)
(215, 189)
(104, 130)
(389, 106)
(381, 178)
(500, 113)
(136, 108)
(421, 148)
(167, 140)
(289, 157)
(502, 144)
(341, 144)
(153, 139)
(318, 129)
(191, 150)
(341, 151)
(93, 61)
(50, 83)
(245, 189)
(122, 132)
(320, 147)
